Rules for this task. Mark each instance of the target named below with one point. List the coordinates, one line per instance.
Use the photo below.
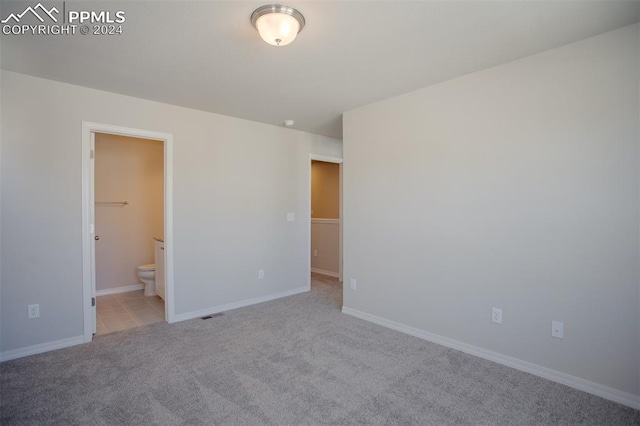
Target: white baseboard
(73, 341)
(606, 392)
(325, 272)
(123, 289)
(235, 305)
(40, 348)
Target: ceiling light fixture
(278, 25)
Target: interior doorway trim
(326, 159)
(88, 188)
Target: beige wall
(325, 246)
(127, 169)
(515, 187)
(325, 204)
(325, 190)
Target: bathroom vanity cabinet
(159, 253)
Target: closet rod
(113, 203)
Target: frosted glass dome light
(278, 25)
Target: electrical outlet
(353, 283)
(496, 315)
(33, 311)
(557, 329)
(261, 274)
(315, 253)
(291, 217)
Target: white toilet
(147, 274)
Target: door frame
(340, 162)
(88, 216)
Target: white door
(92, 229)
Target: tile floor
(127, 310)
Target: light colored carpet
(293, 361)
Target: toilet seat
(147, 267)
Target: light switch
(291, 217)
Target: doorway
(129, 231)
(325, 228)
(114, 285)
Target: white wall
(130, 169)
(515, 187)
(234, 182)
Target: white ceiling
(206, 55)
